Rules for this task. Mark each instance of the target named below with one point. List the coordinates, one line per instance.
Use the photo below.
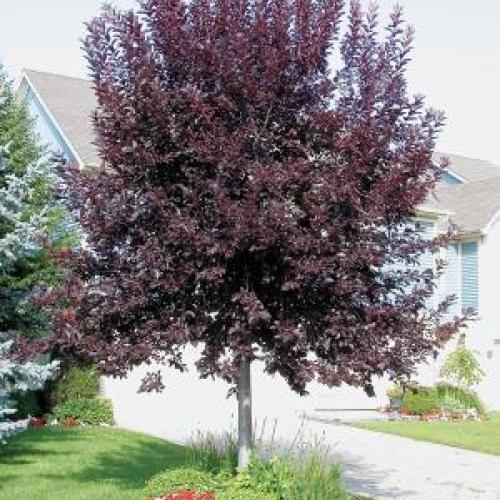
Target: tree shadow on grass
(133, 465)
(77, 458)
(130, 463)
(32, 446)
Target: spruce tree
(32, 222)
(17, 378)
(32, 225)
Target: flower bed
(213, 475)
(186, 495)
(471, 415)
(438, 403)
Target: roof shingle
(470, 169)
(71, 101)
(472, 205)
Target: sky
(456, 60)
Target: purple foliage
(253, 199)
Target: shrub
(92, 411)
(225, 486)
(395, 392)
(465, 398)
(176, 480)
(28, 405)
(78, 382)
(305, 475)
(314, 478)
(421, 400)
(214, 453)
(269, 476)
(308, 478)
(441, 397)
(239, 492)
(302, 476)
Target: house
(62, 106)
(467, 197)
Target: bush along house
(466, 198)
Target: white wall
(190, 404)
(482, 335)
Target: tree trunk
(244, 416)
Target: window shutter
(470, 276)
(428, 259)
(451, 280)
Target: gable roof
(469, 169)
(473, 205)
(70, 102)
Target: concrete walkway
(392, 467)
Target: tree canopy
(261, 174)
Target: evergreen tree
(17, 378)
(32, 222)
(32, 225)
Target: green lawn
(82, 464)
(60, 463)
(481, 436)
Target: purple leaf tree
(261, 172)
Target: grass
(483, 436)
(83, 464)
(64, 463)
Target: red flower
(71, 422)
(190, 495)
(37, 422)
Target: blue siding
(448, 178)
(470, 276)
(428, 259)
(49, 135)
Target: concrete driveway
(392, 467)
